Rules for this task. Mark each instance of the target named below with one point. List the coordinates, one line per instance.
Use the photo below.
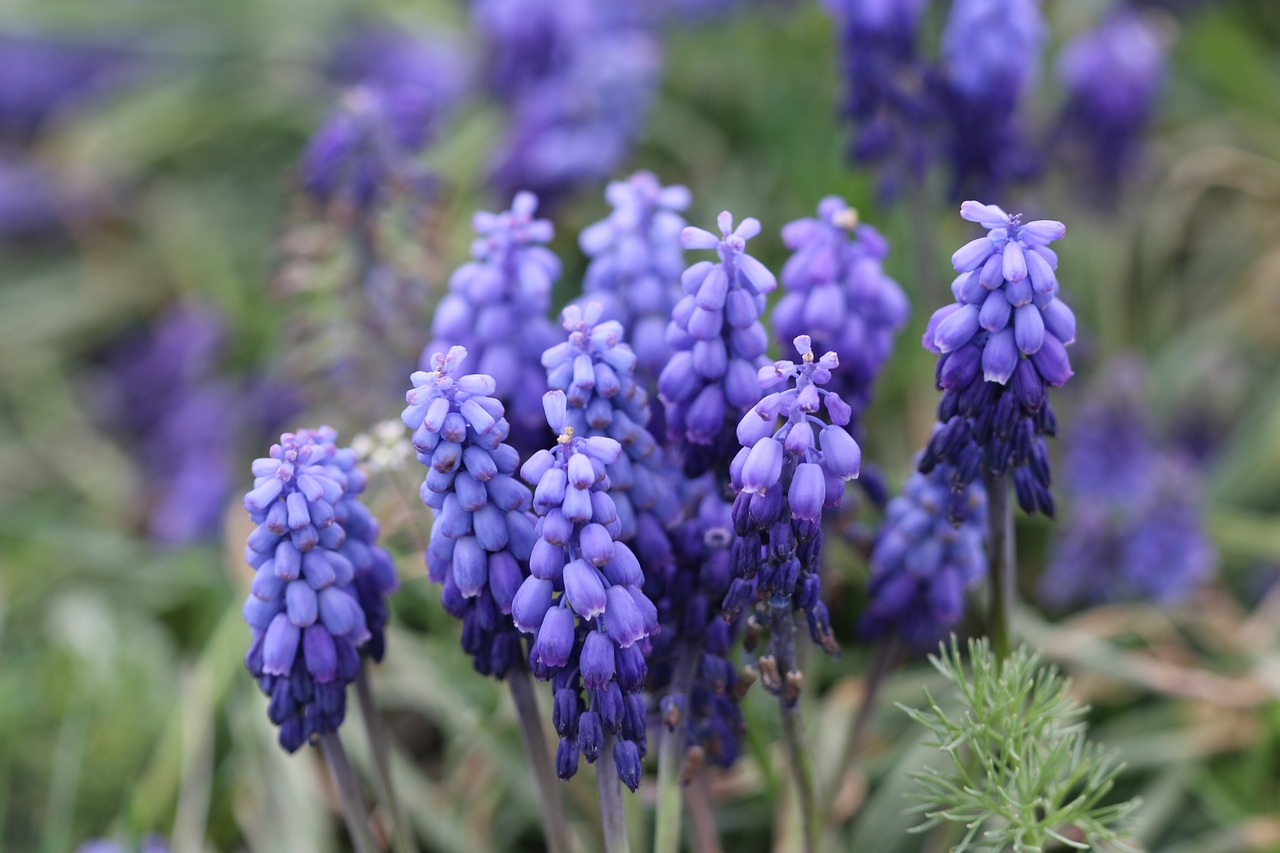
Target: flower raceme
(1002, 344)
(784, 476)
(582, 600)
(716, 336)
(483, 532)
(318, 593)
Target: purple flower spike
(318, 598)
(1007, 321)
(483, 535)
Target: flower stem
(613, 813)
(884, 657)
(1003, 571)
(666, 837)
(381, 759)
(353, 808)
(784, 652)
(701, 816)
(554, 825)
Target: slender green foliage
(1023, 776)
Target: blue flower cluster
(317, 568)
(483, 532)
(884, 76)
(1002, 343)
(718, 341)
(784, 476)
(1112, 76)
(578, 75)
(990, 53)
(497, 309)
(399, 88)
(689, 597)
(583, 601)
(1136, 527)
(839, 294)
(921, 563)
(636, 262)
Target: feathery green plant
(1023, 773)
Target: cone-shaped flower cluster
(784, 476)
(838, 294)
(884, 80)
(1136, 527)
(717, 338)
(689, 598)
(483, 532)
(583, 602)
(921, 563)
(315, 562)
(497, 308)
(990, 53)
(636, 262)
(1112, 76)
(1002, 343)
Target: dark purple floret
(42, 78)
(483, 533)
(312, 544)
(922, 564)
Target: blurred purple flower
(150, 843)
(42, 78)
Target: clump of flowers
(1002, 345)
(483, 532)
(717, 340)
(583, 602)
(921, 563)
(497, 308)
(839, 294)
(320, 582)
(784, 475)
(636, 262)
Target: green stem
(784, 653)
(666, 838)
(613, 814)
(545, 782)
(353, 809)
(380, 755)
(884, 657)
(1003, 570)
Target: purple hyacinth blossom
(717, 340)
(150, 843)
(884, 76)
(1002, 344)
(43, 78)
(1136, 528)
(1112, 76)
(837, 292)
(921, 564)
(583, 604)
(399, 88)
(312, 544)
(636, 262)
(483, 534)
(792, 464)
(497, 308)
(991, 51)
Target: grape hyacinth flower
(991, 51)
(884, 85)
(42, 78)
(837, 292)
(921, 563)
(312, 543)
(483, 533)
(583, 603)
(784, 477)
(1002, 344)
(636, 262)
(1112, 76)
(399, 90)
(1136, 527)
(718, 342)
(497, 309)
